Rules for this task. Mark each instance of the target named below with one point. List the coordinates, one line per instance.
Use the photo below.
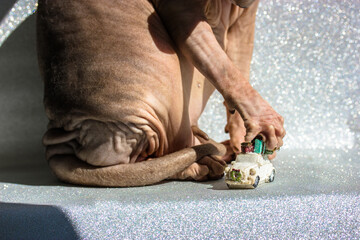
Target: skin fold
(125, 83)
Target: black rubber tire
(256, 183)
(272, 176)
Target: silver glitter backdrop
(307, 65)
(19, 12)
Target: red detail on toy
(247, 149)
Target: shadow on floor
(37, 175)
(22, 117)
(25, 221)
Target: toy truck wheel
(256, 183)
(272, 176)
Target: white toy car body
(248, 171)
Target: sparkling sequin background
(306, 63)
(19, 12)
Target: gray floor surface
(311, 198)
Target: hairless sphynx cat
(126, 82)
